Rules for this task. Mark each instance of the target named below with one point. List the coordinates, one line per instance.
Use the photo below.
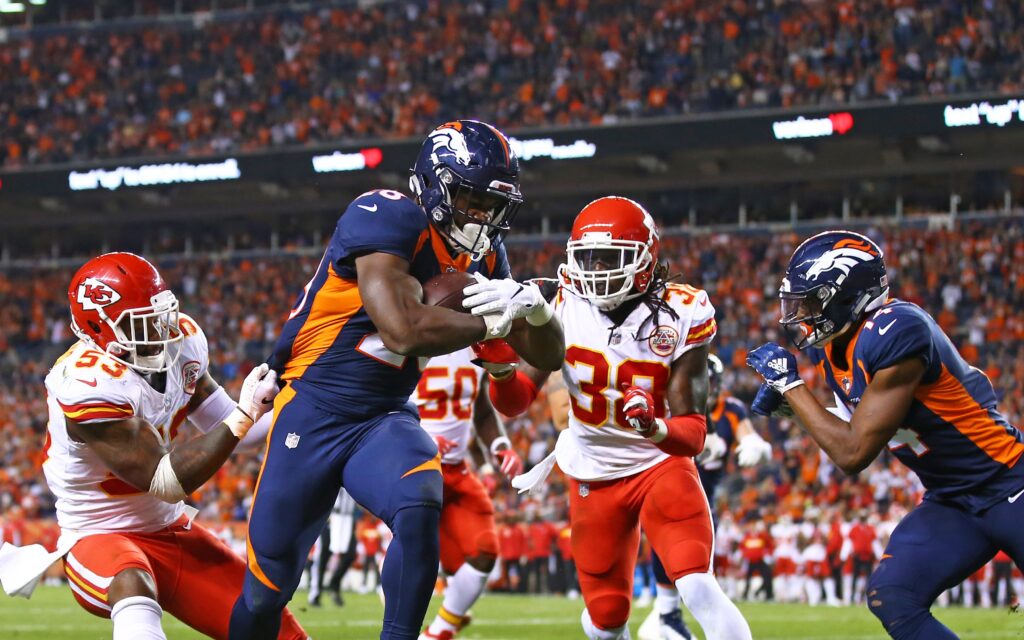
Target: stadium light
(6, 6)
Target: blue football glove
(776, 365)
(766, 402)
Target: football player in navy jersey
(350, 356)
(899, 382)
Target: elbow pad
(512, 396)
(165, 484)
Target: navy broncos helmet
(832, 280)
(467, 179)
(716, 370)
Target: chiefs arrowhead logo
(94, 294)
(190, 376)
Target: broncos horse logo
(450, 138)
(844, 259)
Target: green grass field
(51, 614)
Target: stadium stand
(216, 83)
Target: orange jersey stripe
(948, 399)
(701, 331)
(282, 399)
(336, 301)
(460, 262)
(96, 410)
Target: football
(445, 290)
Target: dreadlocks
(654, 299)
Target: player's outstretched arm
(393, 299)
(491, 431)
(541, 346)
(133, 451)
(851, 445)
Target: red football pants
(467, 518)
(197, 577)
(668, 502)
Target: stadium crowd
(213, 85)
(797, 517)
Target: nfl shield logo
(584, 489)
(292, 440)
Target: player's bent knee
(130, 583)
(686, 557)
(609, 611)
(895, 606)
(483, 562)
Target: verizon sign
(833, 124)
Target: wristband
(492, 320)
(238, 422)
(541, 315)
(500, 441)
(660, 431)
(213, 411)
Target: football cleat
(673, 627)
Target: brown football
(445, 290)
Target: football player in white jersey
(453, 402)
(117, 401)
(636, 369)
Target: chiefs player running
(452, 401)
(117, 400)
(636, 369)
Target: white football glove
(255, 399)
(508, 299)
(753, 449)
(715, 448)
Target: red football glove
(496, 356)
(638, 405)
(444, 445)
(509, 461)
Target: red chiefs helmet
(120, 303)
(612, 252)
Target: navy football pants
(388, 464)
(934, 548)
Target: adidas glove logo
(779, 364)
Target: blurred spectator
(264, 79)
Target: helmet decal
(95, 294)
(844, 259)
(451, 138)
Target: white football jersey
(89, 387)
(445, 397)
(602, 358)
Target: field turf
(51, 614)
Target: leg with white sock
(134, 610)
(137, 618)
(464, 589)
(714, 612)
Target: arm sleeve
(702, 327)
(96, 400)
(512, 396)
(906, 335)
(376, 223)
(686, 435)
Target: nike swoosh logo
(882, 330)
(91, 383)
(370, 209)
(1013, 498)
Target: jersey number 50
(626, 374)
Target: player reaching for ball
(636, 366)
(350, 357)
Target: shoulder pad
(897, 331)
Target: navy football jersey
(727, 413)
(953, 435)
(329, 349)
